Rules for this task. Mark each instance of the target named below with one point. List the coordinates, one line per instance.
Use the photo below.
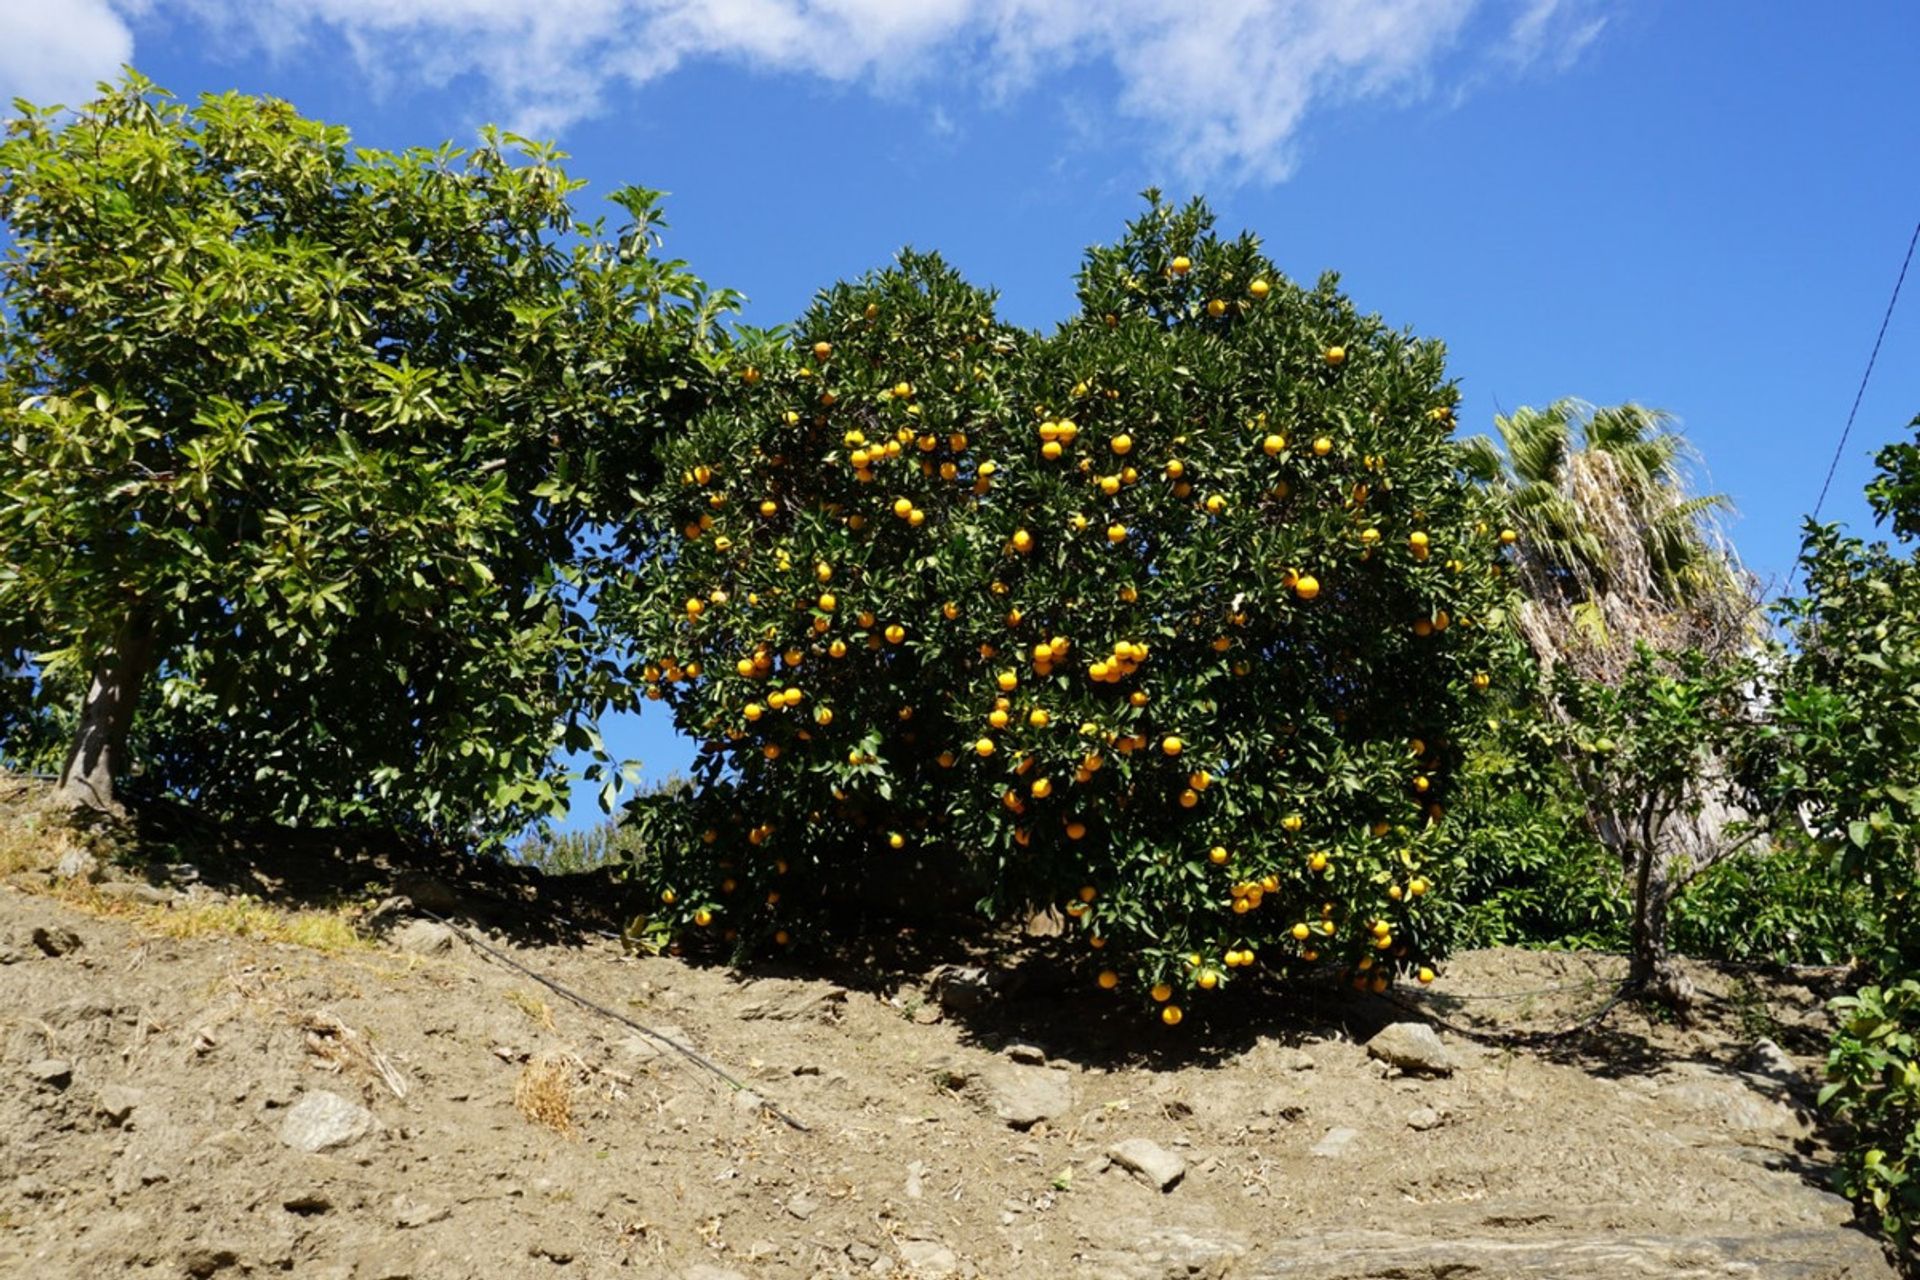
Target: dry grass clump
(538, 1010)
(544, 1091)
(35, 834)
(243, 917)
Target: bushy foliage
(1849, 762)
(301, 442)
(1173, 617)
(1873, 1080)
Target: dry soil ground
(185, 1092)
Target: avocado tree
(304, 449)
(1173, 618)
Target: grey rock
(1170, 1254)
(1721, 1103)
(384, 1262)
(794, 1002)
(135, 891)
(1148, 1161)
(118, 1102)
(55, 1073)
(424, 938)
(1296, 1060)
(56, 940)
(1024, 1096)
(77, 864)
(640, 1050)
(929, 1259)
(202, 1260)
(409, 1213)
(12, 951)
(322, 1121)
(1413, 1047)
(1027, 1053)
(803, 1206)
(1767, 1062)
(1718, 1250)
(1335, 1144)
(1423, 1118)
(962, 988)
(916, 1175)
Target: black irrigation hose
(1623, 990)
(690, 1054)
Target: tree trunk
(1652, 971)
(100, 743)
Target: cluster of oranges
(1175, 664)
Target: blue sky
(1700, 206)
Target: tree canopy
(304, 446)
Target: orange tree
(1175, 618)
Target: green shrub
(1873, 1080)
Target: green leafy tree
(1847, 729)
(1173, 617)
(305, 448)
(1624, 579)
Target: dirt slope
(156, 1094)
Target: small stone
(639, 1049)
(916, 1172)
(77, 864)
(322, 1121)
(962, 988)
(1150, 1162)
(707, 1271)
(1027, 1053)
(424, 938)
(203, 1260)
(55, 1073)
(1413, 1047)
(409, 1213)
(800, 1002)
(802, 1206)
(1423, 1118)
(1024, 1096)
(117, 1102)
(1335, 1144)
(56, 940)
(929, 1259)
(1296, 1060)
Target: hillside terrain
(217, 1070)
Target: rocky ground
(184, 1092)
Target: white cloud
(1214, 90)
(56, 52)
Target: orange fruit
(1181, 265)
(1171, 1015)
(1108, 979)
